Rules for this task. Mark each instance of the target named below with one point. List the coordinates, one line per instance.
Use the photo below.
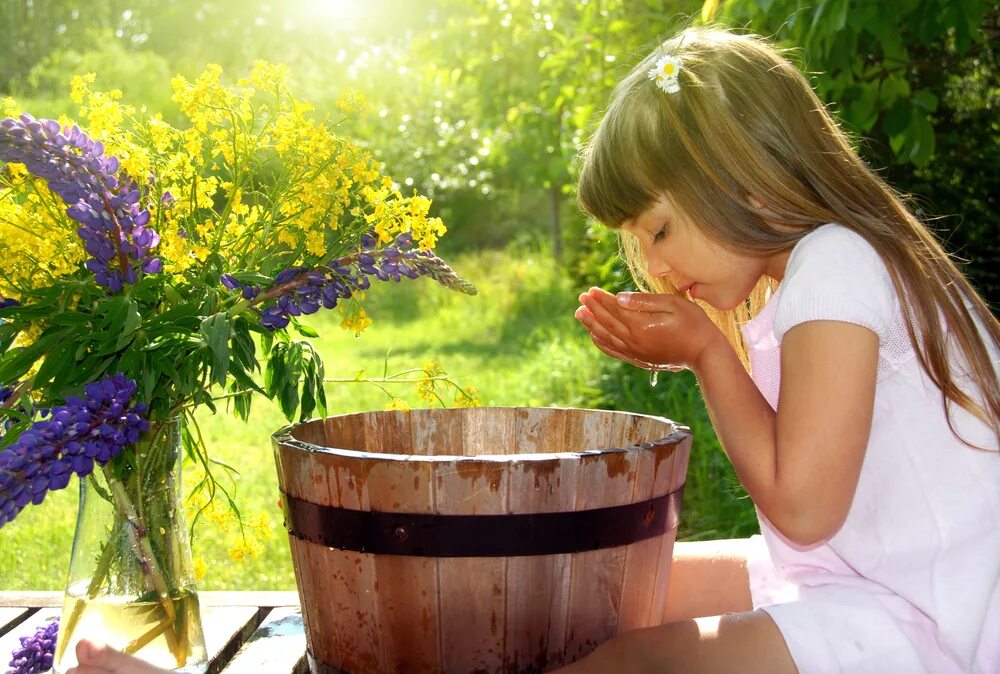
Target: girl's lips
(689, 289)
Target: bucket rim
(283, 437)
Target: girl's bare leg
(738, 642)
(708, 578)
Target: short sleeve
(834, 274)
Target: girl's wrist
(714, 348)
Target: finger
(594, 326)
(607, 314)
(648, 302)
(102, 658)
(620, 355)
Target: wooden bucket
(478, 540)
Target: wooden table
(245, 632)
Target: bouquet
(148, 270)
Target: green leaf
(244, 350)
(59, 359)
(15, 362)
(926, 99)
(215, 332)
(275, 373)
(897, 120)
(241, 404)
(306, 331)
(288, 399)
(130, 323)
(861, 111)
(839, 16)
(892, 89)
(920, 139)
(308, 398)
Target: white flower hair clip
(665, 72)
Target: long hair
(747, 128)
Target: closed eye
(660, 234)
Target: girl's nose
(657, 267)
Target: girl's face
(677, 250)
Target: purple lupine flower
(36, 652)
(113, 225)
(69, 439)
(310, 289)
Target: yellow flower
(250, 543)
(357, 321)
(205, 101)
(38, 242)
(199, 567)
(351, 101)
(243, 549)
(467, 397)
(397, 404)
(80, 87)
(426, 389)
(268, 77)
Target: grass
(516, 343)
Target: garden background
(483, 105)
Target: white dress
(911, 582)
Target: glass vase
(130, 582)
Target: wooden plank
(265, 598)
(32, 599)
(272, 598)
(340, 610)
(277, 646)
(538, 586)
(407, 585)
(437, 432)
(472, 588)
(641, 558)
(603, 479)
(670, 472)
(226, 629)
(488, 430)
(10, 617)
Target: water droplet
(652, 377)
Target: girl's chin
(721, 304)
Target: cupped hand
(651, 331)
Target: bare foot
(96, 658)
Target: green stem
(138, 535)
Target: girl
(867, 433)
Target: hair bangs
(621, 174)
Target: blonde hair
(747, 128)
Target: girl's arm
(799, 465)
